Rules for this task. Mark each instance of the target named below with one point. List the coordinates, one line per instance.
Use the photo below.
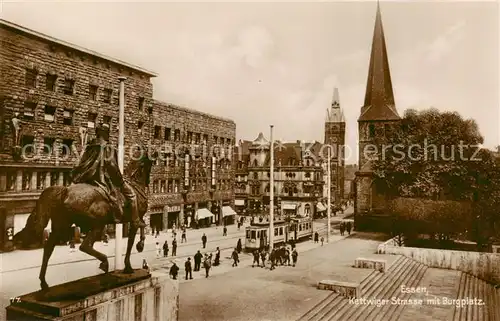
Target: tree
(428, 155)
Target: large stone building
(57, 92)
(378, 114)
(298, 177)
(205, 191)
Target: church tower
(335, 137)
(377, 115)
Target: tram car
(257, 234)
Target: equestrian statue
(99, 195)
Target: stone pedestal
(347, 289)
(106, 297)
(375, 264)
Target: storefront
(289, 209)
(320, 209)
(228, 215)
(156, 221)
(240, 206)
(171, 215)
(204, 217)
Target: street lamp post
(271, 190)
(121, 158)
(329, 186)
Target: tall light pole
(271, 193)
(329, 196)
(121, 157)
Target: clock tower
(335, 137)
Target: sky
(262, 63)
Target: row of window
(50, 147)
(34, 180)
(307, 176)
(291, 162)
(50, 115)
(68, 87)
(257, 190)
(173, 186)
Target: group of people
(278, 256)
(345, 226)
(199, 259)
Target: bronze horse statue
(85, 206)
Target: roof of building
(379, 97)
(8, 24)
(192, 111)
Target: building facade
(298, 178)
(52, 96)
(193, 179)
(377, 116)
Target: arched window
(308, 175)
(307, 209)
(255, 176)
(255, 162)
(267, 190)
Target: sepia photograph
(250, 160)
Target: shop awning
(289, 206)
(227, 211)
(239, 202)
(203, 213)
(320, 207)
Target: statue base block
(108, 297)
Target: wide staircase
(378, 287)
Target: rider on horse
(99, 167)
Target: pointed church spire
(335, 114)
(379, 97)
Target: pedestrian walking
(158, 250)
(145, 265)
(239, 246)
(287, 257)
(207, 264)
(174, 270)
(197, 261)
(342, 229)
(316, 237)
(295, 255)
(224, 231)
(188, 268)
(217, 257)
(256, 256)
(263, 258)
(105, 239)
(292, 243)
(174, 247)
(183, 236)
(272, 258)
(165, 249)
(348, 227)
(204, 240)
(322, 240)
(235, 257)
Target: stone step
(317, 312)
(386, 290)
(393, 312)
(372, 284)
(471, 287)
(377, 279)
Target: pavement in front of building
(27, 259)
(286, 293)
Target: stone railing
(485, 266)
(375, 264)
